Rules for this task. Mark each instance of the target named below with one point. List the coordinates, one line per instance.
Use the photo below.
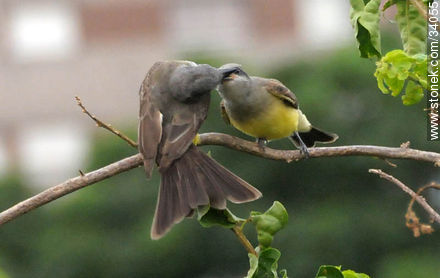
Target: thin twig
(419, 199)
(423, 188)
(405, 145)
(412, 221)
(389, 163)
(100, 123)
(244, 241)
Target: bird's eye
(237, 71)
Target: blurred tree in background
(339, 214)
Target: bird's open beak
(228, 74)
(230, 77)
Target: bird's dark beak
(226, 73)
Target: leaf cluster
(265, 263)
(399, 70)
(330, 271)
(267, 224)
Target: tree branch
(100, 123)
(70, 186)
(419, 199)
(225, 140)
(295, 155)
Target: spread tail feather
(314, 135)
(196, 180)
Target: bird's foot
(261, 142)
(302, 148)
(304, 151)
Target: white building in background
(51, 51)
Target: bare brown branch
(225, 140)
(70, 186)
(100, 123)
(294, 155)
(419, 199)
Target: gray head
(235, 82)
(189, 82)
(233, 72)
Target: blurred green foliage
(338, 213)
(412, 28)
(3, 275)
(397, 71)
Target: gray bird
(174, 101)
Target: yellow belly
(275, 122)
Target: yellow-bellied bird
(174, 101)
(266, 109)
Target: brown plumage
(174, 101)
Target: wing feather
(277, 89)
(179, 131)
(150, 130)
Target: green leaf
(269, 223)
(283, 273)
(253, 262)
(365, 22)
(202, 210)
(266, 265)
(209, 217)
(413, 93)
(329, 271)
(398, 68)
(352, 274)
(395, 84)
(421, 70)
(412, 28)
